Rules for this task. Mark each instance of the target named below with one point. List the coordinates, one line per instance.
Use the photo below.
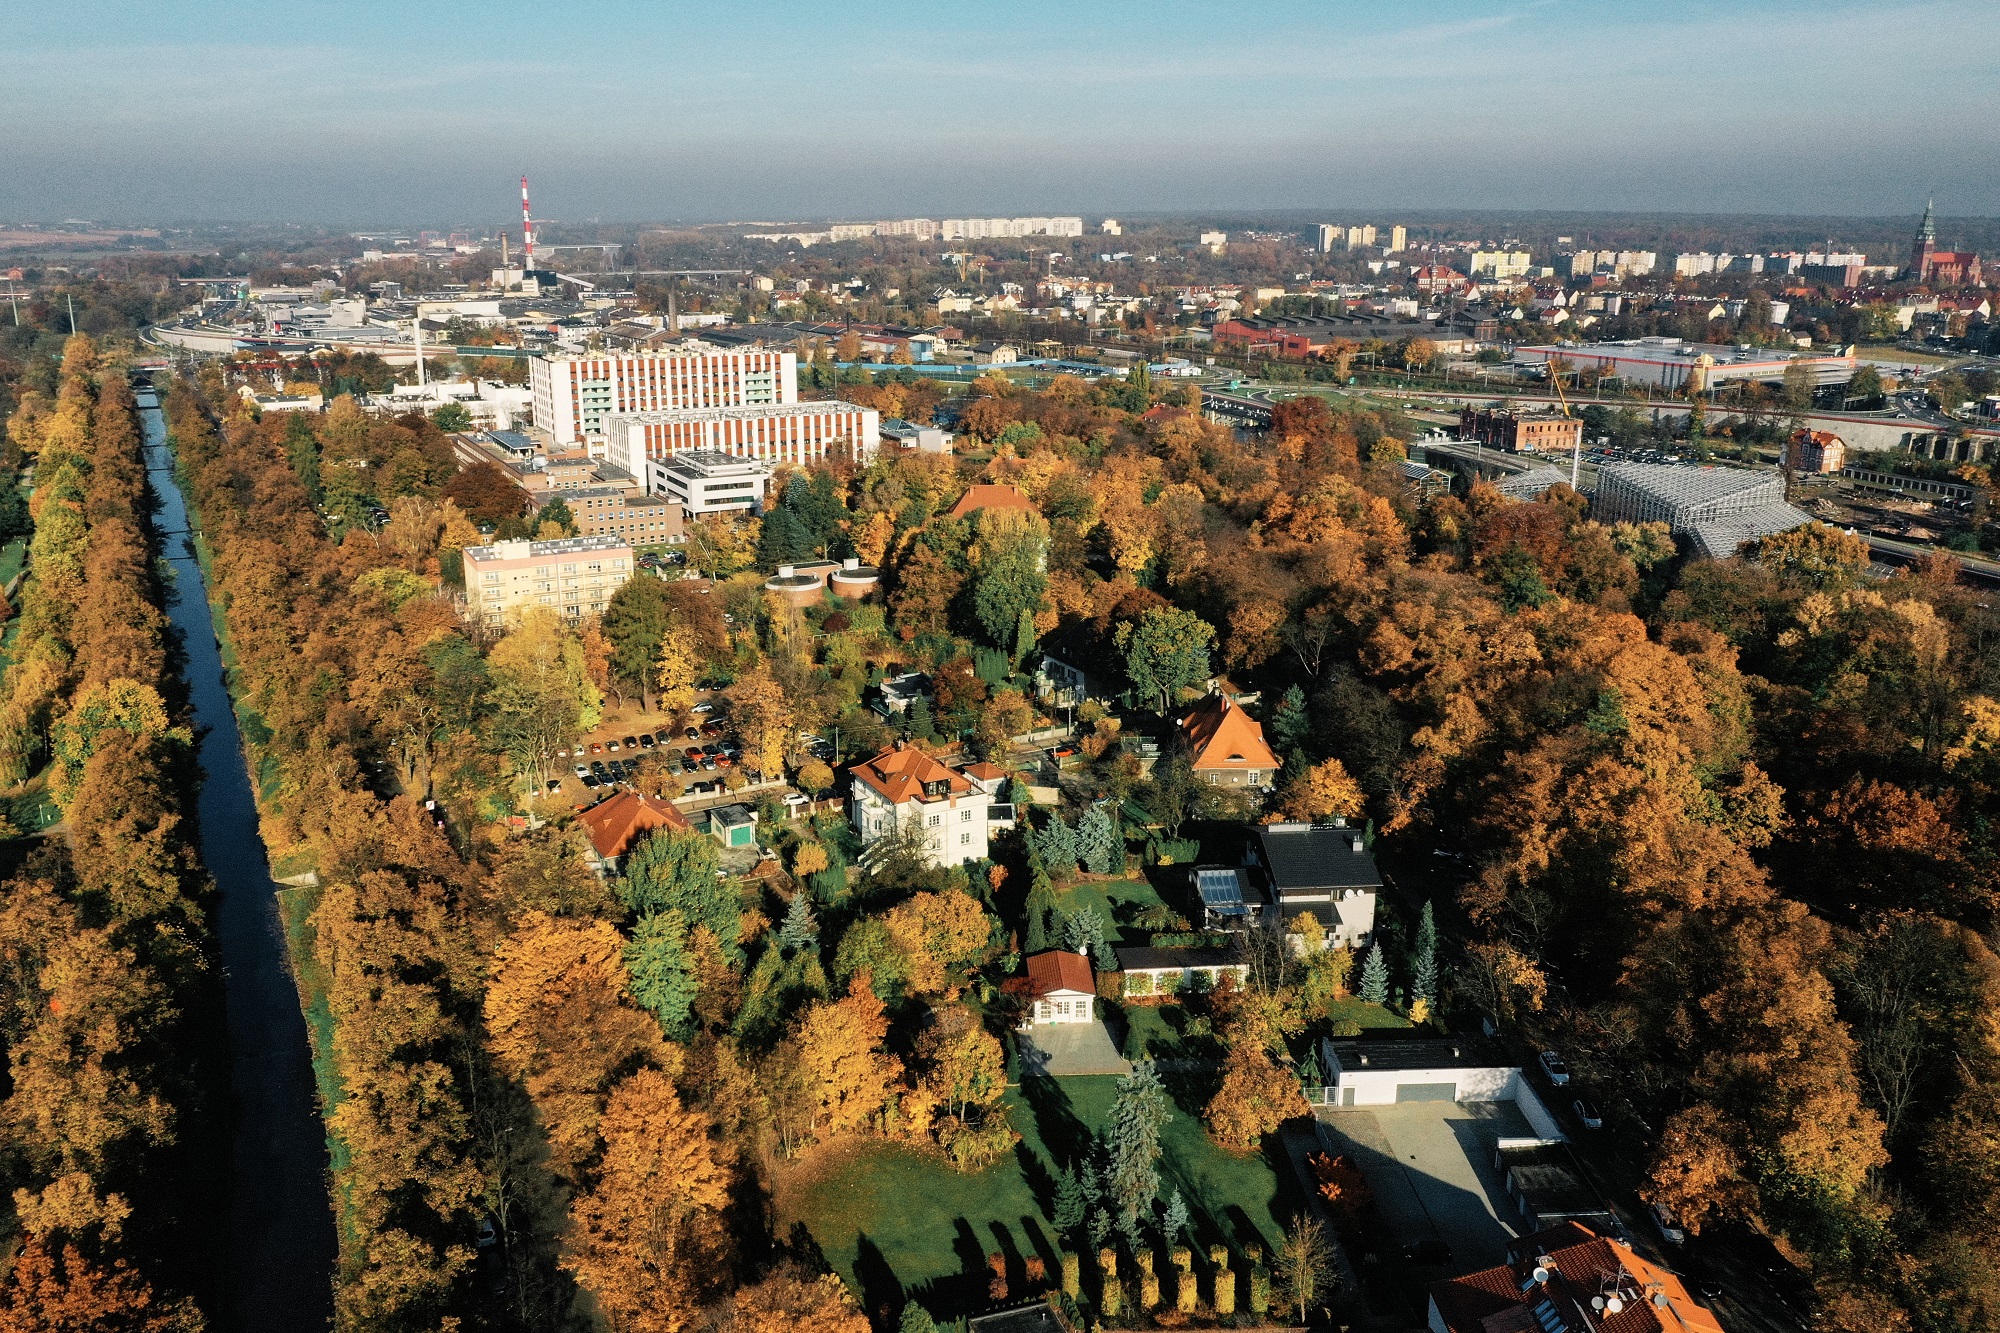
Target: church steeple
(1925, 245)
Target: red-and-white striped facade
(796, 433)
(576, 395)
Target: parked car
(611, 746)
(1555, 1068)
(1669, 1228)
(725, 760)
(708, 763)
(712, 728)
(704, 707)
(1587, 1112)
(555, 784)
(631, 742)
(582, 771)
(590, 780)
(665, 738)
(645, 740)
(692, 734)
(596, 748)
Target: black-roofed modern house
(1323, 869)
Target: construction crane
(1576, 450)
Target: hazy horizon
(680, 113)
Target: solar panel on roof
(1546, 1316)
(1219, 888)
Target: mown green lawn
(12, 556)
(901, 1224)
(1118, 901)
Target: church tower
(1924, 246)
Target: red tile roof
(992, 497)
(616, 824)
(1059, 970)
(1223, 736)
(1584, 1265)
(984, 771)
(901, 773)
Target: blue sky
(425, 111)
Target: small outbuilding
(1059, 989)
(733, 825)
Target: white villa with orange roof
(903, 787)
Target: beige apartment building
(575, 576)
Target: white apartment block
(1360, 237)
(1498, 264)
(975, 229)
(904, 788)
(575, 576)
(574, 395)
(798, 433)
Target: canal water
(280, 1242)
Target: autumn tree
(1256, 1096)
(559, 1020)
(647, 1240)
(763, 717)
(849, 1077)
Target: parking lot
(1430, 1167)
(688, 756)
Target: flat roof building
(1715, 510)
(798, 433)
(574, 576)
(575, 395)
(1671, 363)
(708, 481)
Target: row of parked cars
(707, 750)
(1556, 1070)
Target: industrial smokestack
(527, 229)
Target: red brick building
(1544, 432)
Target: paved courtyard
(1061, 1049)
(1430, 1165)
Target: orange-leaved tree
(648, 1240)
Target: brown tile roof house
(992, 497)
(1228, 745)
(1587, 1282)
(615, 824)
(1058, 988)
(906, 773)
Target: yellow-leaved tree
(1322, 792)
(648, 1239)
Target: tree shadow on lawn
(1031, 1227)
(882, 1292)
(1067, 1138)
(1035, 1174)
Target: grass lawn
(1364, 1014)
(12, 556)
(900, 1224)
(1118, 901)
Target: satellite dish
(1614, 1305)
(1541, 1274)
(1597, 1302)
(1660, 1299)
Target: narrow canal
(280, 1243)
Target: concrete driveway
(1430, 1165)
(1059, 1049)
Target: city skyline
(244, 114)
